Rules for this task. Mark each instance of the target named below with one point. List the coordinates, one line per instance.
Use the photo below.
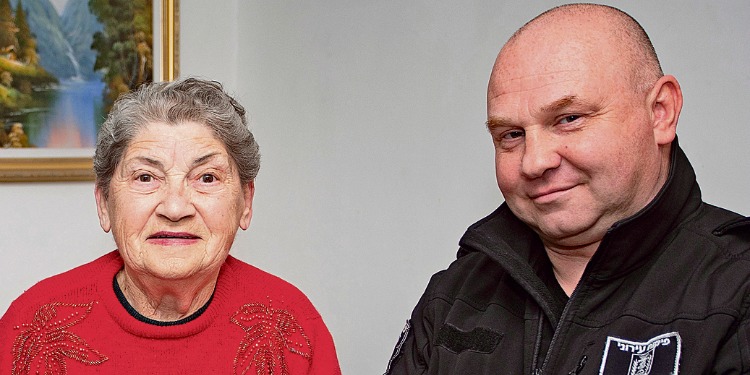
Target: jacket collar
(631, 241)
(625, 246)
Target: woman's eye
(208, 178)
(569, 119)
(145, 178)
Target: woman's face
(175, 203)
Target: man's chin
(565, 235)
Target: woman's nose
(176, 204)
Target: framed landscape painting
(62, 65)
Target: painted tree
(124, 46)
(26, 43)
(5, 11)
(8, 29)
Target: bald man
(603, 258)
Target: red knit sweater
(73, 323)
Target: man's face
(574, 146)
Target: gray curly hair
(191, 99)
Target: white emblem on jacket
(657, 356)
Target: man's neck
(568, 264)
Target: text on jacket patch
(657, 356)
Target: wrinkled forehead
(174, 139)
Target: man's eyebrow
(498, 122)
(559, 104)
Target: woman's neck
(165, 300)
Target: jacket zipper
(556, 335)
(561, 321)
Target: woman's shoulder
(79, 284)
(260, 299)
(241, 281)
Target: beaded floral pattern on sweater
(269, 335)
(46, 343)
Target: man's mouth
(549, 194)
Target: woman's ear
(248, 192)
(665, 104)
(102, 210)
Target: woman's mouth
(173, 238)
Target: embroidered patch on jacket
(269, 335)
(46, 343)
(660, 355)
(480, 340)
(399, 346)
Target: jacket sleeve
(734, 355)
(411, 355)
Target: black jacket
(667, 292)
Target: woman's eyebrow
(152, 162)
(204, 159)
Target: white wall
(375, 159)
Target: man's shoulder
(713, 247)
(474, 278)
(468, 264)
(728, 231)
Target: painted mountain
(63, 41)
(64, 62)
(80, 25)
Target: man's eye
(208, 178)
(569, 119)
(145, 178)
(513, 134)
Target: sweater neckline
(135, 314)
(197, 323)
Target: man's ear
(248, 192)
(102, 210)
(665, 104)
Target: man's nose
(540, 154)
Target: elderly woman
(175, 165)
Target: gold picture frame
(46, 164)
